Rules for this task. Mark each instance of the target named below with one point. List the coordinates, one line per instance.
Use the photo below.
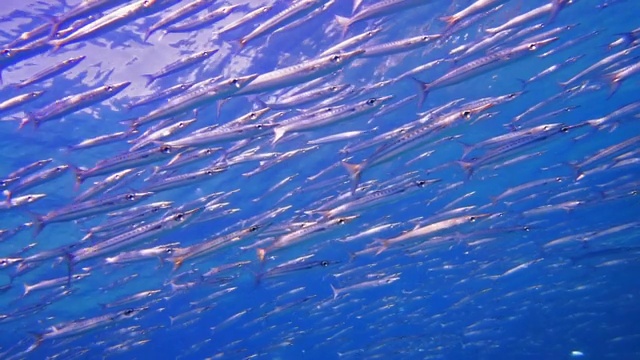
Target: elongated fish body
(291, 13)
(244, 20)
(202, 21)
(299, 73)
(208, 246)
(135, 236)
(19, 100)
(180, 64)
(472, 9)
(508, 148)
(197, 96)
(125, 161)
(36, 179)
(336, 115)
(162, 133)
(185, 158)
(378, 198)
(217, 136)
(409, 140)
(50, 72)
(89, 208)
(352, 41)
(161, 95)
(398, 46)
(20, 201)
(378, 9)
(73, 103)
(485, 64)
(178, 181)
(113, 19)
(303, 234)
(100, 140)
(98, 187)
(79, 327)
(305, 97)
(177, 15)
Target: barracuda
(483, 65)
(88, 208)
(198, 95)
(72, 103)
(299, 73)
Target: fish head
(345, 57)
(536, 45)
(241, 81)
(207, 53)
(345, 219)
(138, 196)
(26, 199)
(379, 101)
(117, 87)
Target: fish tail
(336, 291)
(78, 174)
(260, 252)
(38, 340)
(576, 169)
(70, 259)
(150, 79)
(384, 246)
(344, 23)
(355, 172)
(467, 167)
(29, 117)
(38, 224)
(356, 5)
(278, 133)
(614, 84)
(177, 263)
(423, 90)
(27, 289)
(450, 20)
(148, 33)
(524, 83)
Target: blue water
(463, 299)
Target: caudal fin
(467, 167)
(150, 79)
(260, 252)
(344, 23)
(423, 90)
(336, 291)
(450, 20)
(355, 172)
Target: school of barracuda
(399, 179)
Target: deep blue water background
(445, 305)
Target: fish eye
(472, 218)
(109, 88)
(511, 96)
(421, 183)
(341, 221)
(324, 263)
(254, 228)
(30, 198)
(147, 3)
(204, 53)
(559, 179)
(131, 197)
(253, 116)
(371, 102)
(334, 88)
(466, 114)
(168, 251)
(564, 129)
(425, 38)
(179, 217)
(336, 58)
(209, 172)
(128, 312)
(7, 53)
(60, 168)
(259, 126)
(3, 262)
(165, 149)
(533, 46)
